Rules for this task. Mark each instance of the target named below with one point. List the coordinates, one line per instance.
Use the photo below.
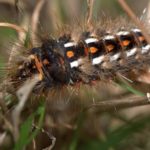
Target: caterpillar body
(93, 57)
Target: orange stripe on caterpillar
(110, 47)
(39, 66)
(141, 38)
(125, 42)
(45, 62)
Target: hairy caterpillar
(95, 56)
(83, 54)
(82, 57)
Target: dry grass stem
(13, 26)
(21, 33)
(148, 12)
(89, 13)
(51, 137)
(34, 144)
(53, 143)
(11, 2)
(7, 123)
(23, 94)
(127, 102)
(35, 20)
(2, 137)
(2, 103)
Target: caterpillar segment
(71, 54)
(72, 57)
(96, 50)
(74, 54)
(145, 47)
(113, 47)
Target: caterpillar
(91, 54)
(95, 56)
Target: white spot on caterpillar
(148, 96)
(145, 49)
(114, 57)
(109, 37)
(131, 52)
(136, 30)
(123, 33)
(69, 44)
(97, 60)
(91, 40)
(74, 64)
(80, 61)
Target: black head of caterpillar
(64, 61)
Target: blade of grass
(2, 66)
(25, 138)
(131, 89)
(75, 139)
(122, 83)
(27, 41)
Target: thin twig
(7, 123)
(34, 144)
(35, 20)
(23, 94)
(89, 13)
(2, 137)
(53, 142)
(111, 105)
(21, 33)
(148, 13)
(2, 103)
(49, 135)
(13, 26)
(16, 3)
(137, 21)
(10, 2)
